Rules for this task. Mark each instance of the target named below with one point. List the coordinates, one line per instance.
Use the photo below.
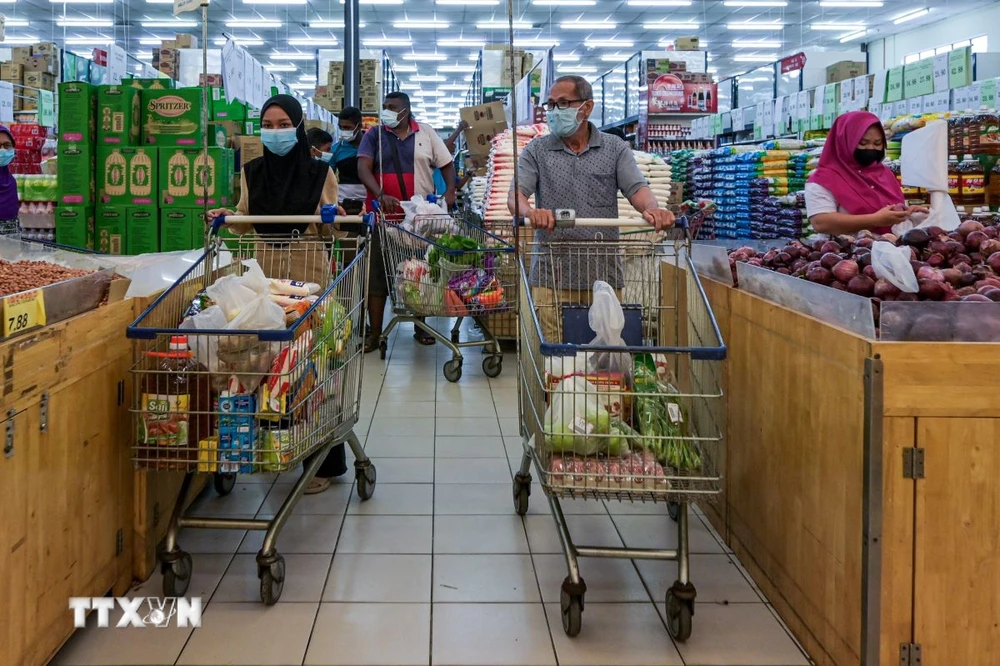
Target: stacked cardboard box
(370, 98)
(331, 95)
(75, 216)
(31, 69)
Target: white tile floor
(436, 568)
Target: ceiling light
(159, 2)
(453, 86)
(306, 41)
(667, 44)
(664, 25)
(156, 41)
(608, 43)
(750, 44)
(294, 55)
(404, 68)
(755, 58)
(750, 25)
(387, 41)
(859, 4)
(588, 25)
(242, 41)
(275, 2)
(170, 24)
(430, 93)
(143, 56)
(15, 40)
(497, 25)
(582, 69)
(839, 27)
(424, 56)
(755, 3)
(15, 23)
(566, 57)
(409, 86)
(64, 22)
(910, 16)
(659, 3)
(331, 25)
(480, 3)
(462, 41)
(452, 100)
(307, 79)
(434, 78)
(253, 23)
(615, 57)
(564, 3)
(81, 2)
(850, 37)
(301, 86)
(540, 43)
(457, 68)
(87, 41)
(276, 67)
(378, 2)
(420, 25)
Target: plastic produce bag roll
(924, 163)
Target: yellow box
(208, 454)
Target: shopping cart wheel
(177, 574)
(272, 579)
(679, 613)
(522, 491)
(453, 370)
(674, 509)
(383, 346)
(493, 366)
(224, 483)
(365, 476)
(571, 605)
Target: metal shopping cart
(446, 267)
(638, 423)
(211, 399)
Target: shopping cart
(639, 423)
(447, 267)
(250, 401)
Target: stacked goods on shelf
(477, 192)
(37, 215)
(779, 216)
(331, 95)
(658, 174)
(31, 69)
(500, 172)
(167, 58)
(75, 214)
(732, 168)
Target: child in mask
(10, 204)
(343, 157)
(852, 189)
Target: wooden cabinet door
(957, 542)
(14, 542)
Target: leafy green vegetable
(661, 421)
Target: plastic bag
(231, 295)
(420, 206)
(607, 319)
(893, 264)
(206, 347)
(260, 314)
(924, 163)
(573, 416)
(253, 277)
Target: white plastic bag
(231, 295)
(206, 347)
(420, 206)
(607, 320)
(893, 264)
(260, 314)
(253, 277)
(573, 416)
(924, 163)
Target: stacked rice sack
(657, 173)
(500, 174)
(477, 192)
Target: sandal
(423, 338)
(318, 485)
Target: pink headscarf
(859, 191)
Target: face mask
(389, 118)
(867, 157)
(325, 157)
(351, 136)
(279, 141)
(563, 122)
(6, 156)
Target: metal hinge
(8, 442)
(909, 654)
(121, 392)
(43, 416)
(913, 463)
(119, 542)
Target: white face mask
(389, 118)
(349, 136)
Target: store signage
(668, 94)
(894, 85)
(46, 108)
(117, 64)
(878, 87)
(739, 123)
(181, 6)
(988, 93)
(802, 105)
(941, 73)
(958, 67)
(918, 78)
(960, 98)
(861, 92)
(22, 312)
(975, 96)
(899, 108)
(138, 612)
(793, 63)
(6, 102)
(915, 105)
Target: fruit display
(18, 276)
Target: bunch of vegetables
(660, 420)
(336, 327)
(454, 248)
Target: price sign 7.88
(22, 312)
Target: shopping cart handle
(599, 222)
(324, 217)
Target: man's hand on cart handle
(542, 219)
(216, 213)
(660, 218)
(390, 204)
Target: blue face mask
(279, 141)
(563, 122)
(6, 156)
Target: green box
(77, 102)
(118, 115)
(171, 117)
(75, 174)
(75, 226)
(126, 175)
(110, 225)
(179, 228)
(142, 234)
(222, 110)
(183, 174)
(164, 83)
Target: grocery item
(76, 174)
(110, 229)
(142, 230)
(172, 117)
(77, 103)
(18, 276)
(181, 229)
(186, 177)
(75, 226)
(631, 471)
(972, 182)
(126, 175)
(118, 115)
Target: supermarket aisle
(436, 568)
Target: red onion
(845, 270)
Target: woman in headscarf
(286, 180)
(852, 189)
(10, 204)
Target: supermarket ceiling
(436, 42)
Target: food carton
(150, 84)
(75, 226)
(76, 174)
(172, 117)
(223, 110)
(42, 63)
(44, 48)
(118, 115)
(220, 134)
(686, 44)
(77, 102)
(844, 70)
(237, 433)
(126, 175)
(180, 229)
(186, 42)
(185, 174)
(11, 71)
(211, 80)
(669, 94)
(250, 149)
(20, 54)
(110, 229)
(169, 55)
(40, 80)
(142, 230)
(485, 122)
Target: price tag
(899, 109)
(920, 78)
(975, 96)
(802, 106)
(828, 119)
(846, 93)
(738, 123)
(861, 92)
(22, 312)
(46, 109)
(885, 112)
(758, 132)
(915, 106)
(878, 86)
(958, 67)
(988, 93)
(778, 116)
(6, 102)
(894, 85)
(961, 98)
(940, 65)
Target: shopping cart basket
(638, 423)
(212, 399)
(447, 267)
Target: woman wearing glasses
(10, 204)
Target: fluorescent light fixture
(659, 3)
(81, 2)
(429, 78)
(539, 43)
(851, 4)
(292, 55)
(755, 58)
(275, 2)
(18, 40)
(306, 41)
(564, 3)
(755, 3)
(461, 69)
(453, 100)
(404, 68)
(750, 25)
(159, 2)
(424, 56)
(330, 25)
(463, 41)
(753, 44)
(471, 3)
(588, 25)
(430, 93)
(387, 41)
(277, 67)
(253, 23)
(579, 69)
(566, 57)
(301, 86)
(837, 27)
(143, 56)
(156, 41)
(667, 44)
(420, 25)
(409, 86)
(615, 57)
(87, 41)
(378, 2)
(170, 24)
(607, 43)
(850, 37)
(502, 25)
(910, 16)
(15, 23)
(454, 86)
(242, 41)
(666, 25)
(64, 22)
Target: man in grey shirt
(577, 167)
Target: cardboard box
(142, 230)
(185, 173)
(11, 71)
(77, 104)
(223, 110)
(668, 94)
(42, 63)
(485, 122)
(212, 80)
(171, 117)
(222, 133)
(844, 70)
(169, 55)
(110, 224)
(168, 69)
(40, 80)
(45, 48)
(20, 54)
(686, 44)
(126, 175)
(250, 149)
(149, 84)
(178, 228)
(118, 115)
(75, 226)
(76, 174)
(186, 42)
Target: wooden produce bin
(861, 486)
